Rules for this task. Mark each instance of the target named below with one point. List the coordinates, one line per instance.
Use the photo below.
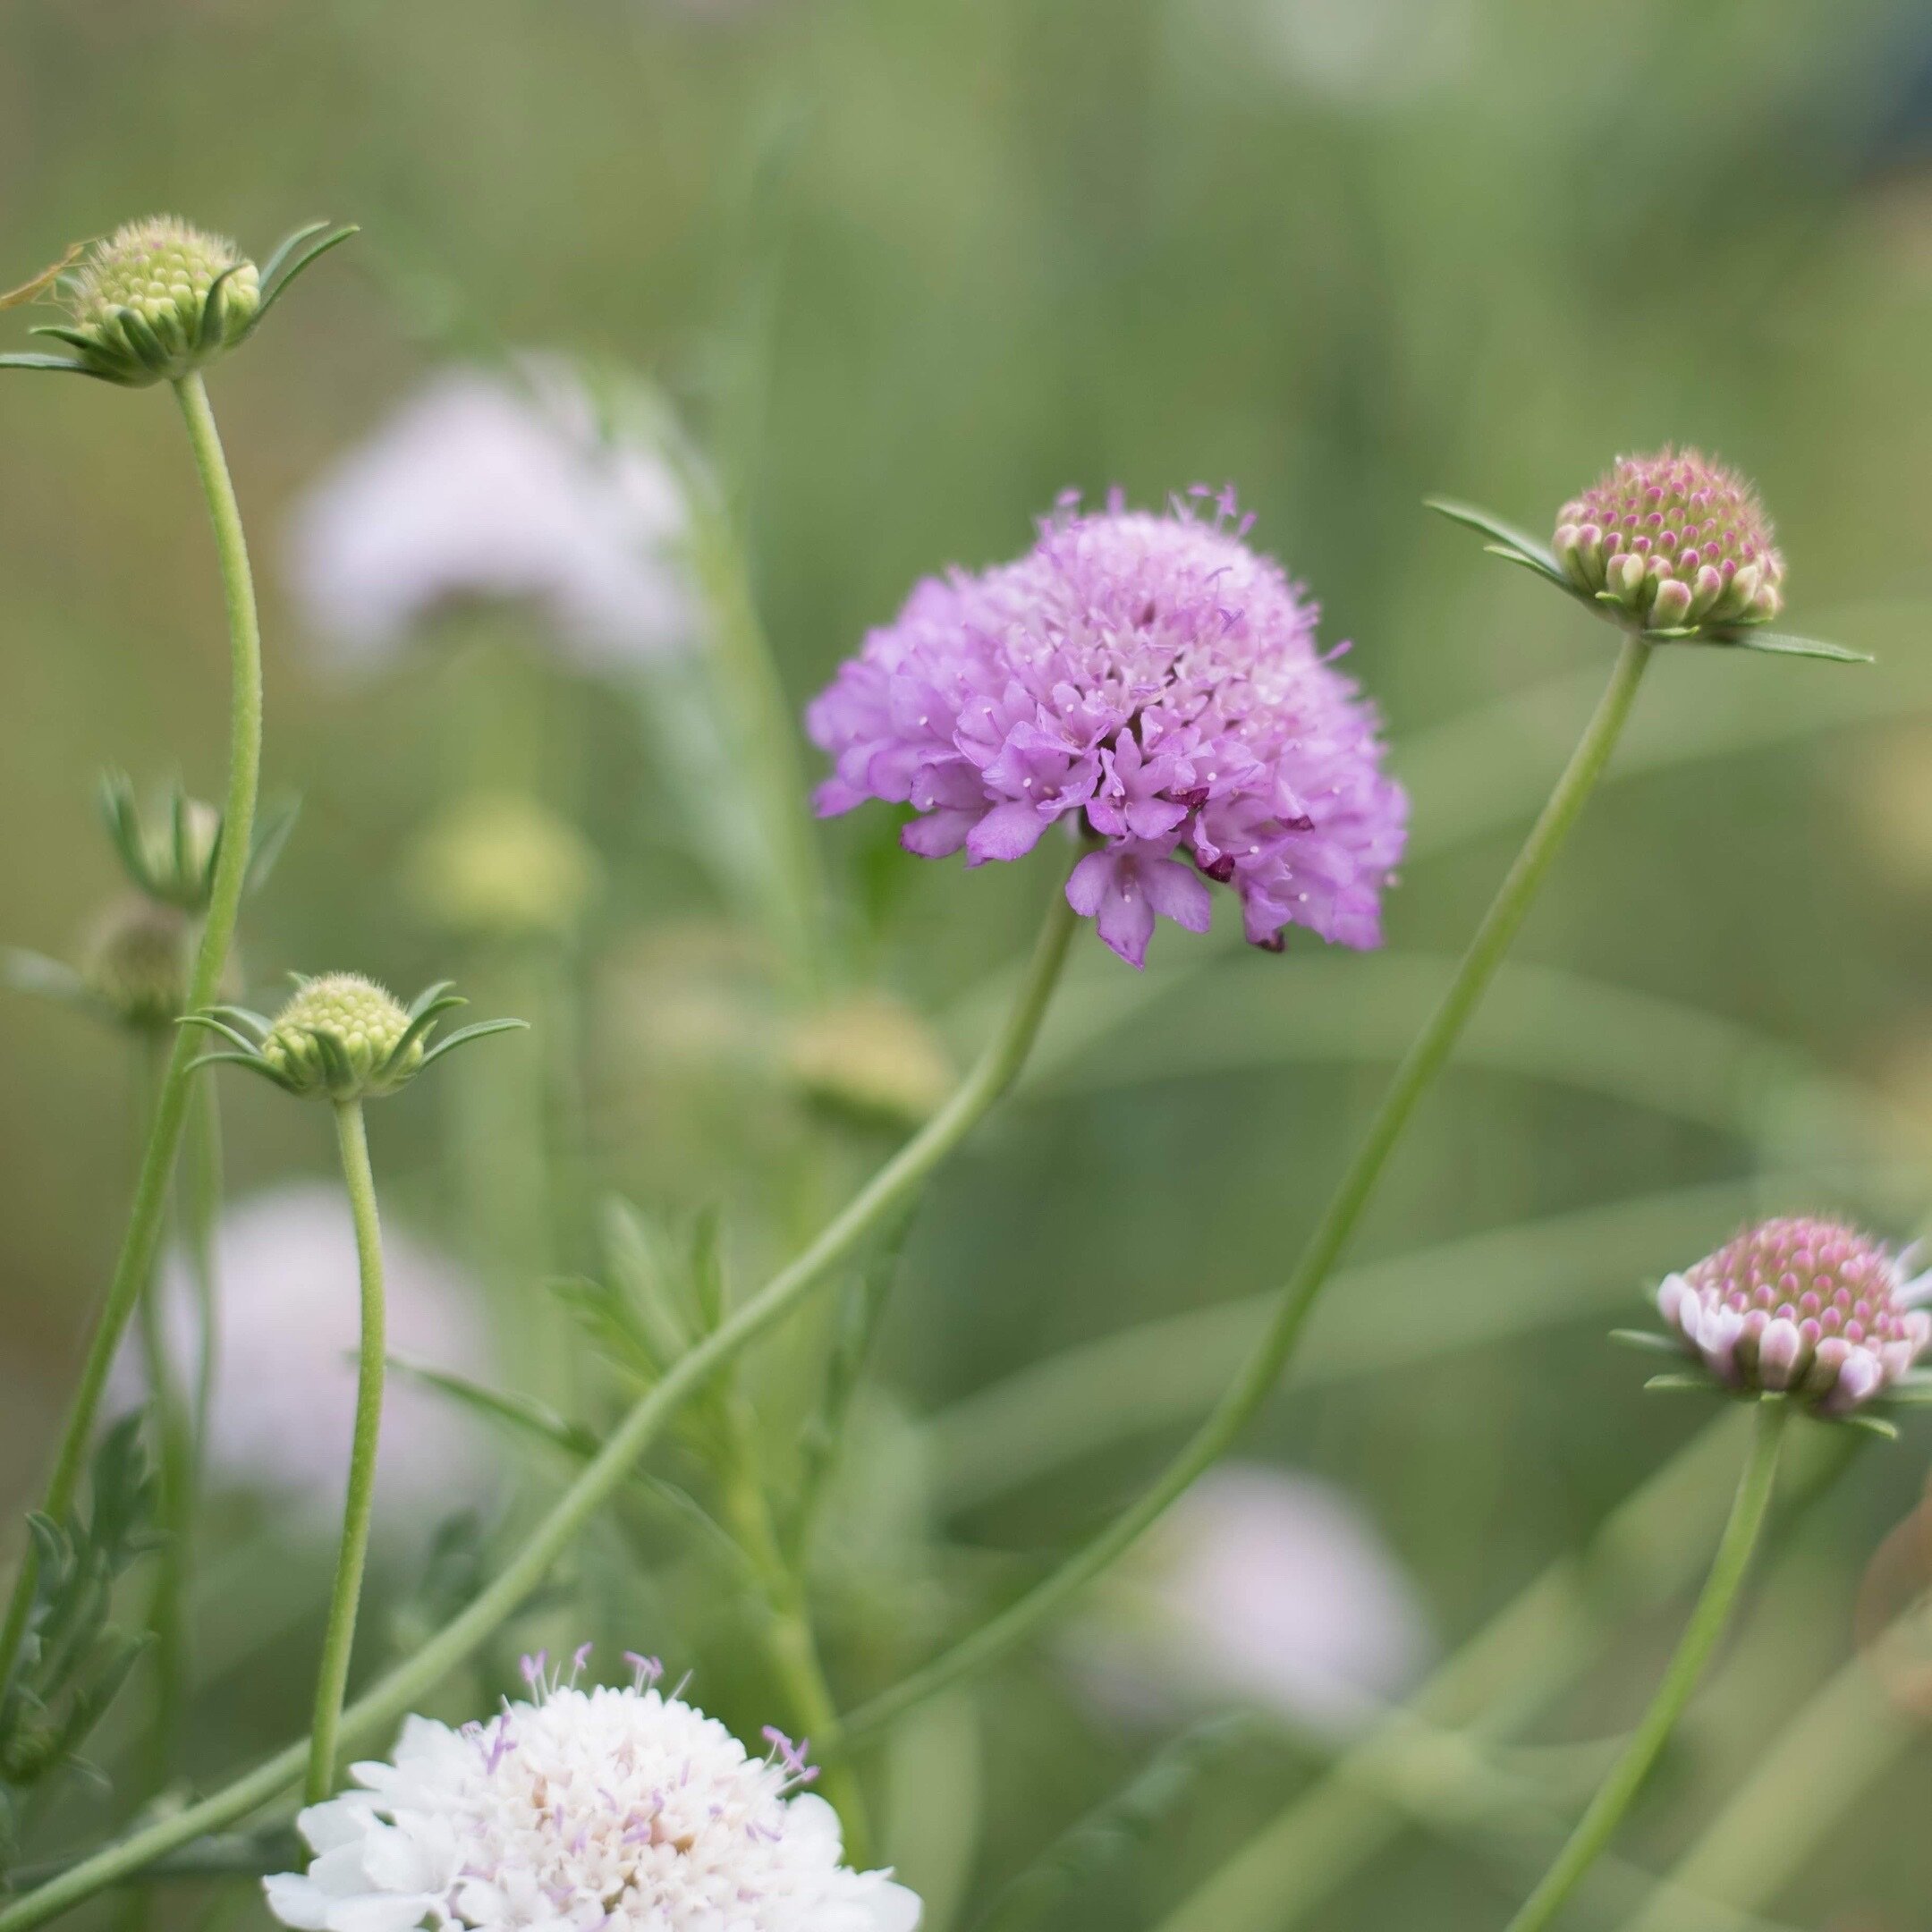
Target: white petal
(1670, 1297)
(378, 1912)
(894, 1909)
(1858, 1378)
(1779, 1350)
(295, 1902)
(338, 1822)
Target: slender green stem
(1258, 1374)
(1708, 1619)
(790, 1640)
(332, 1682)
(872, 1207)
(200, 1220)
(143, 1240)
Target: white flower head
(1274, 1588)
(281, 1408)
(601, 1810)
(487, 488)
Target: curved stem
(138, 1246)
(1262, 1368)
(1687, 1667)
(338, 1638)
(873, 1206)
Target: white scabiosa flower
(604, 1811)
(488, 487)
(1273, 1588)
(281, 1408)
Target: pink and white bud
(1811, 1306)
(1679, 542)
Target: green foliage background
(910, 269)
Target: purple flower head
(1154, 681)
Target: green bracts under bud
(341, 1038)
(160, 298)
(169, 852)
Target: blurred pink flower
(1272, 1589)
(492, 487)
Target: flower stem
(1259, 1373)
(790, 1640)
(339, 1637)
(1712, 1612)
(871, 1208)
(138, 1246)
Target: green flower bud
(871, 1059)
(500, 866)
(341, 1038)
(1681, 543)
(137, 964)
(344, 1036)
(159, 298)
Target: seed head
(137, 963)
(1812, 1306)
(1679, 542)
(365, 1026)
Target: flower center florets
(1805, 1305)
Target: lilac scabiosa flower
(1155, 682)
(604, 1811)
(488, 489)
(1676, 539)
(1813, 1307)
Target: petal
(379, 1911)
(1006, 832)
(296, 1902)
(1179, 892)
(1088, 884)
(939, 834)
(894, 1909)
(1126, 917)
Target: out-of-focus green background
(909, 269)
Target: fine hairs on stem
(142, 1242)
(872, 1209)
(1263, 1367)
(1708, 1620)
(339, 1639)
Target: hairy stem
(143, 1240)
(873, 1208)
(1262, 1368)
(338, 1640)
(1708, 1619)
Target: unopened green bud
(501, 866)
(137, 964)
(159, 298)
(342, 1037)
(1681, 543)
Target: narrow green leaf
(209, 1023)
(1872, 1425)
(429, 996)
(707, 1268)
(254, 1063)
(1782, 644)
(421, 1019)
(1481, 521)
(521, 1414)
(464, 1034)
(209, 333)
(1646, 1341)
(1684, 1383)
(59, 364)
(273, 828)
(306, 259)
(1535, 565)
(286, 246)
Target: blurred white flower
(1268, 1588)
(282, 1407)
(1358, 54)
(496, 488)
